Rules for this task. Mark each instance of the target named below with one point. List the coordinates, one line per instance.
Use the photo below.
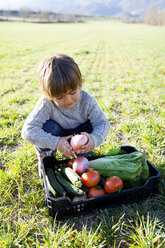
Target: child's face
(68, 100)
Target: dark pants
(55, 129)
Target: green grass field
(123, 67)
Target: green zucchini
(71, 175)
(53, 185)
(69, 188)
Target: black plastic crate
(64, 207)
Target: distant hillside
(117, 8)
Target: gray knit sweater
(85, 109)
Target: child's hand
(64, 146)
(89, 146)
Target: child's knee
(52, 127)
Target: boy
(63, 110)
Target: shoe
(42, 154)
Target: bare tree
(6, 14)
(25, 13)
(155, 17)
(163, 17)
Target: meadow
(123, 67)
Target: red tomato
(113, 184)
(90, 178)
(70, 162)
(94, 192)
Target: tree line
(26, 14)
(153, 17)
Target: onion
(77, 141)
(80, 165)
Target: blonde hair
(57, 74)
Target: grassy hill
(123, 68)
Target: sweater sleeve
(100, 123)
(32, 130)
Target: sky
(17, 4)
(85, 6)
(35, 4)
